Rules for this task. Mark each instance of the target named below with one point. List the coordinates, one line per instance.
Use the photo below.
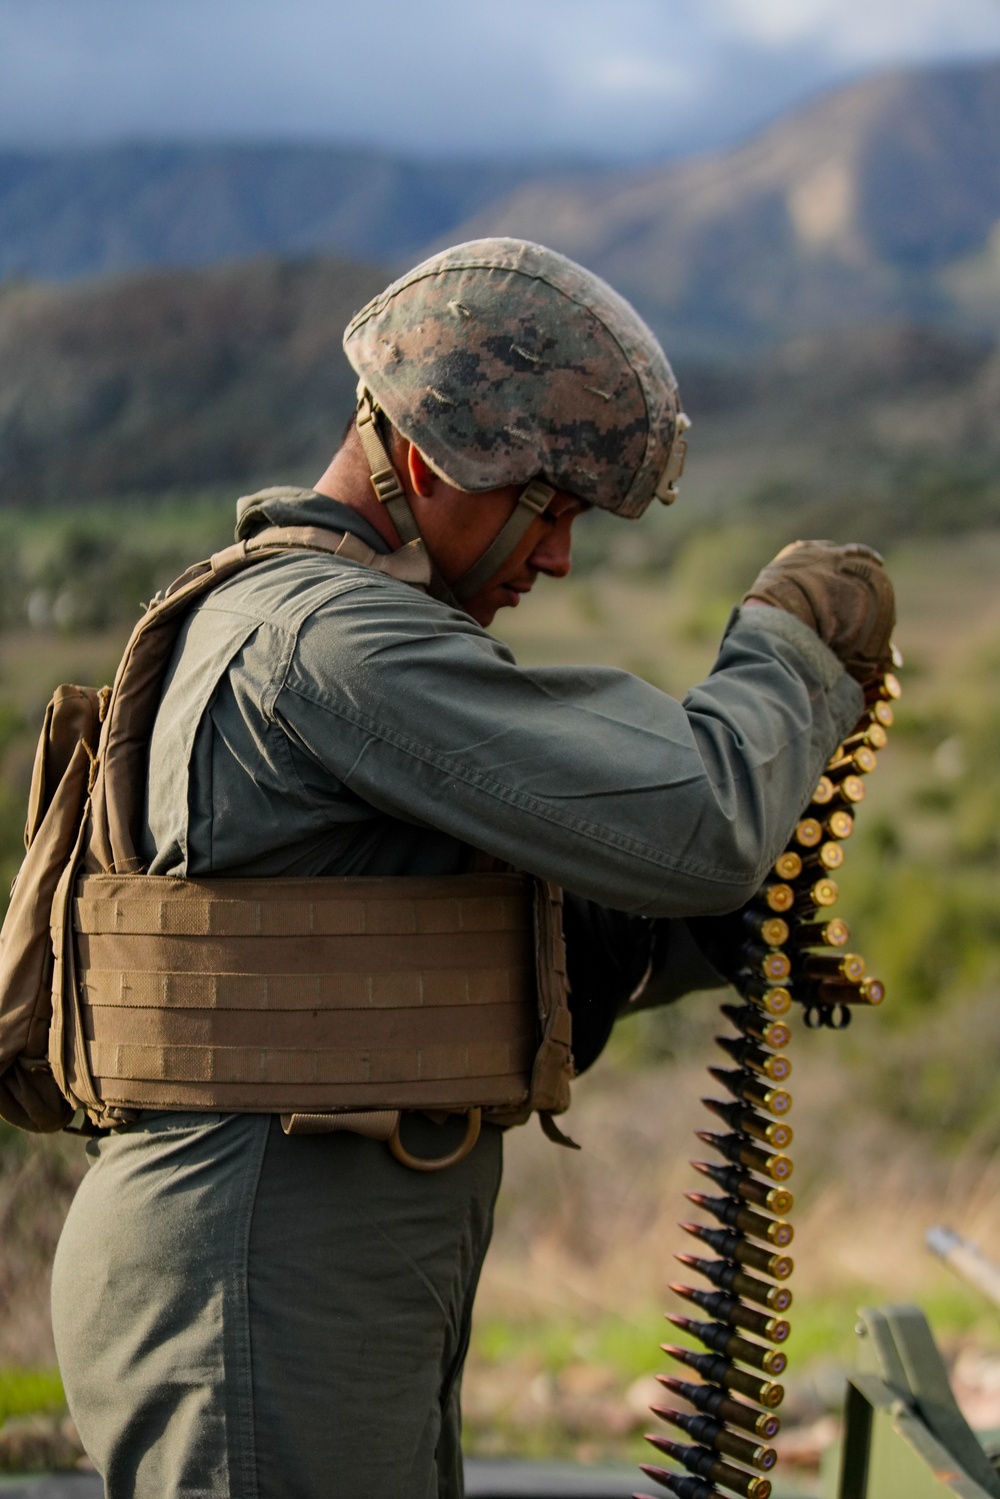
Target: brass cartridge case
(732, 1278)
(748, 1054)
(846, 966)
(772, 999)
(828, 856)
(771, 930)
(819, 894)
(739, 1183)
(839, 824)
(832, 991)
(776, 1132)
(871, 735)
(886, 687)
(703, 1462)
(861, 761)
(731, 1311)
(732, 1246)
(721, 1372)
(733, 1214)
(712, 1433)
(714, 1401)
(721, 1339)
(787, 866)
(832, 933)
(766, 963)
(808, 832)
(749, 1089)
(749, 1020)
(738, 1150)
(776, 895)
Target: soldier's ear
(423, 479)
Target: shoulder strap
(135, 695)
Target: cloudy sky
(608, 78)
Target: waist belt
(315, 997)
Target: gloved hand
(842, 592)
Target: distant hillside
(79, 213)
(174, 379)
(231, 375)
(880, 202)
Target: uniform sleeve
(586, 776)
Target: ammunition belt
(794, 952)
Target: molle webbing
(310, 994)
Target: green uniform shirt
(322, 719)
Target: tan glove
(842, 592)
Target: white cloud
(868, 31)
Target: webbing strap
(392, 1067)
(532, 502)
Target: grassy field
(897, 1121)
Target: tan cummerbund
(273, 995)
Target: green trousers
(243, 1315)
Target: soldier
(247, 1313)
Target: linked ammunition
(740, 1183)
(832, 933)
(848, 791)
(716, 1402)
(861, 761)
(787, 866)
(772, 930)
(703, 1461)
(808, 832)
(821, 893)
(713, 1434)
(749, 1020)
(734, 1247)
(722, 1339)
(744, 1121)
(884, 687)
(720, 1371)
(829, 855)
(882, 713)
(846, 966)
(832, 991)
(734, 1215)
(771, 998)
(749, 1054)
(839, 824)
(765, 962)
(749, 1089)
(824, 793)
(869, 736)
(731, 1278)
(730, 1309)
(776, 896)
(738, 1150)
(680, 1484)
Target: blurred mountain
(167, 380)
(877, 202)
(171, 381)
(82, 212)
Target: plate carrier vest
(334, 1002)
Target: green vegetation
(25, 1392)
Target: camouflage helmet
(503, 361)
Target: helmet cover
(504, 361)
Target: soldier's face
(458, 528)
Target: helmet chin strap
(532, 502)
